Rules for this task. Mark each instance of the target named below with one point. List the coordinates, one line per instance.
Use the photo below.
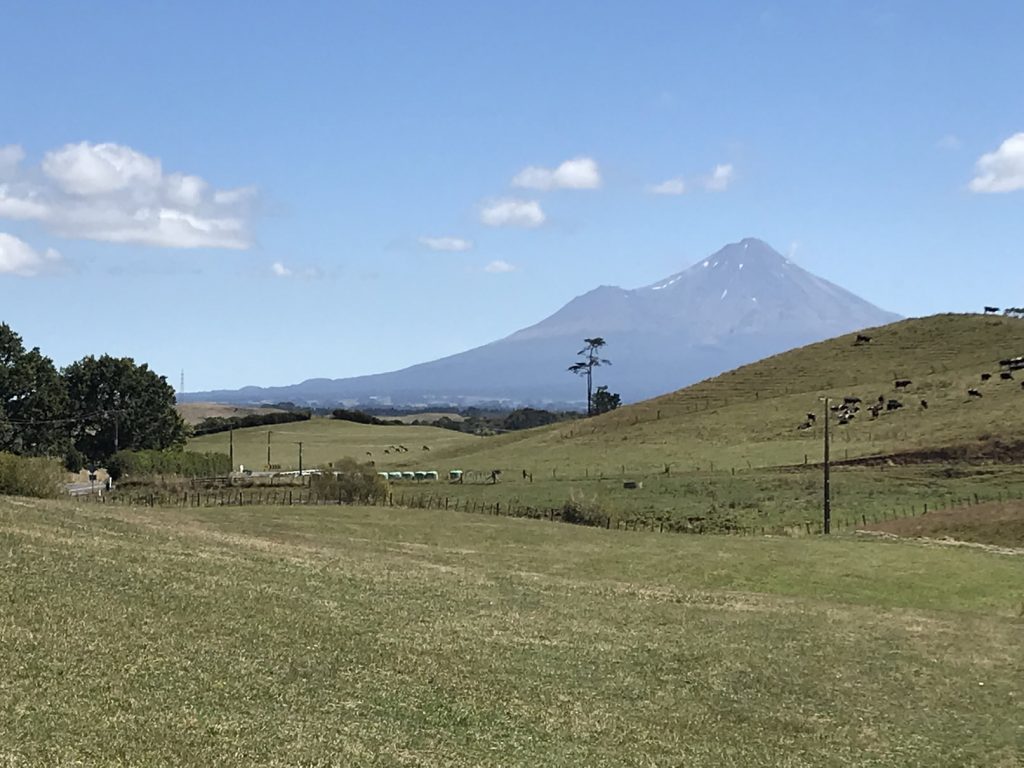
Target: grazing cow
(851, 400)
(991, 310)
(881, 399)
(811, 417)
(973, 392)
(924, 405)
(805, 425)
(893, 405)
(426, 447)
(986, 376)
(1005, 375)
(862, 339)
(902, 383)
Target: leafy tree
(605, 401)
(585, 367)
(118, 405)
(33, 400)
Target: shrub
(359, 417)
(22, 476)
(351, 482)
(213, 424)
(580, 510)
(187, 463)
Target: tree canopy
(585, 367)
(33, 400)
(118, 405)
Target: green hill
(720, 448)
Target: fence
(665, 523)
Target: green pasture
(325, 440)
(378, 637)
(728, 449)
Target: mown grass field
(325, 440)
(369, 637)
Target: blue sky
(264, 193)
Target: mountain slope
(741, 304)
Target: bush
(213, 424)
(580, 510)
(359, 417)
(187, 463)
(21, 476)
(351, 482)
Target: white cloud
(446, 243)
(19, 258)
(115, 194)
(96, 169)
(578, 173)
(10, 157)
(674, 186)
(949, 141)
(720, 178)
(280, 269)
(1002, 170)
(498, 266)
(512, 213)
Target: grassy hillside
(325, 440)
(370, 637)
(729, 448)
(749, 416)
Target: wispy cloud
(280, 270)
(578, 173)
(113, 193)
(1002, 170)
(512, 213)
(446, 243)
(19, 258)
(949, 141)
(498, 266)
(10, 157)
(720, 179)
(674, 186)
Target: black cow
(986, 376)
(1005, 375)
(991, 310)
(973, 392)
(893, 405)
(924, 405)
(862, 339)
(851, 400)
(811, 417)
(902, 383)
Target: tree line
(84, 412)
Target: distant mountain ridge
(741, 304)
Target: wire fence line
(568, 513)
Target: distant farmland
(326, 440)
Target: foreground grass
(261, 636)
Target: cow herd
(847, 410)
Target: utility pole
(268, 449)
(827, 522)
(300, 458)
(231, 449)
